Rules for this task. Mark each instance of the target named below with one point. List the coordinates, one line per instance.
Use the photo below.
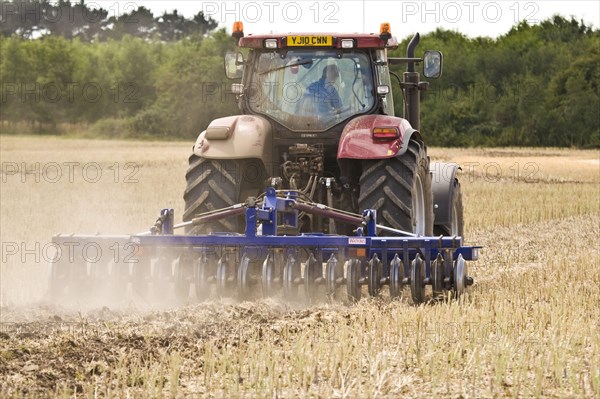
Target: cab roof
(361, 40)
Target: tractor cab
(312, 82)
(311, 90)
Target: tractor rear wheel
(218, 183)
(400, 190)
(456, 227)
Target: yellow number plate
(309, 41)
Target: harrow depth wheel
(353, 275)
(417, 280)
(375, 273)
(396, 277)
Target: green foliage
(538, 85)
(32, 19)
(535, 86)
(154, 88)
(192, 89)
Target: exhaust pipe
(411, 87)
(410, 51)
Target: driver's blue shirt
(325, 96)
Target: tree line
(128, 87)
(537, 85)
(32, 19)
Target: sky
(472, 18)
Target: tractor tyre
(219, 183)
(400, 190)
(456, 227)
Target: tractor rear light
(238, 29)
(386, 133)
(347, 43)
(270, 43)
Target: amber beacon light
(385, 32)
(238, 29)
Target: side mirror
(234, 65)
(432, 64)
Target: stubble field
(528, 328)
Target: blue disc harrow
(262, 261)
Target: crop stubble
(528, 327)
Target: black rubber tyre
(457, 224)
(218, 183)
(395, 186)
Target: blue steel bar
(328, 243)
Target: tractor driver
(323, 92)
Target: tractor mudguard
(443, 176)
(235, 137)
(356, 141)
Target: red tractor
(317, 117)
(317, 170)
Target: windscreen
(311, 90)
